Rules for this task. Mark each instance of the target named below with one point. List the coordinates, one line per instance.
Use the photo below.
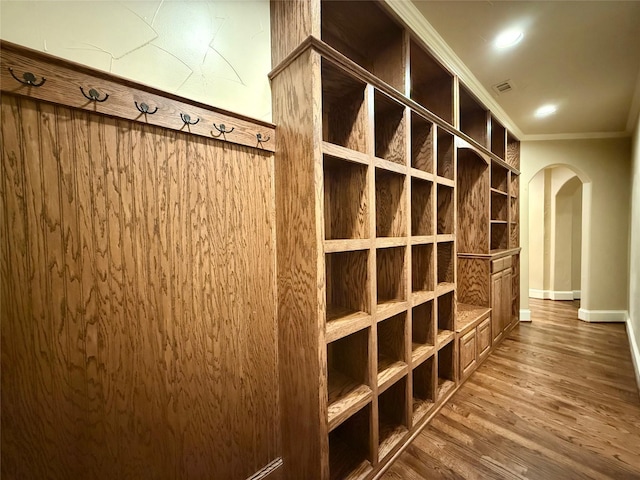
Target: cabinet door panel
(484, 338)
(496, 305)
(467, 353)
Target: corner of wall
(525, 315)
(635, 350)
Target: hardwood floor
(557, 400)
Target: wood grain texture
(423, 325)
(498, 138)
(346, 282)
(391, 274)
(390, 119)
(64, 79)
(134, 260)
(444, 154)
(422, 144)
(474, 119)
(499, 206)
(446, 262)
(521, 417)
(391, 341)
(467, 349)
(446, 312)
(513, 151)
(391, 204)
(422, 271)
(392, 418)
(472, 189)
(422, 218)
(292, 21)
(424, 388)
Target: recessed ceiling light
(545, 111)
(508, 38)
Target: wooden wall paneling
(473, 281)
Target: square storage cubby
(444, 150)
(391, 273)
(390, 204)
(513, 151)
(345, 199)
(446, 225)
(446, 370)
(348, 383)
(392, 361)
(421, 207)
(421, 143)
(499, 236)
(498, 138)
(499, 176)
(364, 32)
(422, 273)
(431, 83)
(424, 389)
(422, 329)
(499, 206)
(446, 314)
(473, 117)
(392, 417)
(445, 263)
(349, 447)
(347, 284)
(344, 110)
(389, 121)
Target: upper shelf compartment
(473, 117)
(431, 83)
(498, 138)
(364, 32)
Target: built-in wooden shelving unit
(384, 224)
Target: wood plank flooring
(557, 400)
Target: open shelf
(421, 143)
(422, 273)
(499, 236)
(472, 234)
(499, 205)
(446, 370)
(473, 117)
(392, 417)
(467, 315)
(499, 176)
(389, 120)
(444, 151)
(344, 111)
(498, 138)
(446, 318)
(362, 31)
(445, 262)
(391, 273)
(424, 389)
(431, 83)
(347, 287)
(345, 199)
(390, 204)
(391, 350)
(445, 210)
(513, 151)
(350, 454)
(421, 207)
(348, 386)
(422, 331)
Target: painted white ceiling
(583, 56)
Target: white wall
(634, 254)
(217, 52)
(604, 167)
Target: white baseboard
(577, 294)
(553, 294)
(602, 316)
(525, 315)
(635, 350)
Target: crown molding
(408, 13)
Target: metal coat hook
(28, 79)
(144, 108)
(262, 140)
(94, 96)
(223, 128)
(187, 119)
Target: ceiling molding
(574, 136)
(411, 16)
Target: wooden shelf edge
(421, 354)
(389, 242)
(421, 175)
(344, 153)
(388, 309)
(445, 182)
(423, 239)
(444, 288)
(420, 297)
(395, 435)
(346, 245)
(445, 337)
(391, 375)
(468, 316)
(343, 408)
(344, 325)
(499, 192)
(390, 166)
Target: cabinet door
(483, 338)
(496, 305)
(507, 277)
(467, 353)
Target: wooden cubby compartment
(349, 447)
(499, 236)
(347, 284)
(424, 389)
(390, 204)
(446, 370)
(344, 111)
(499, 178)
(445, 262)
(421, 143)
(444, 154)
(422, 268)
(423, 331)
(446, 316)
(345, 199)
(498, 138)
(473, 117)
(391, 274)
(365, 33)
(391, 348)
(431, 83)
(421, 207)
(392, 417)
(513, 151)
(472, 180)
(499, 206)
(389, 121)
(445, 224)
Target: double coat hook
(28, 79)
(186, 118)
(144, 108)
(94, 96)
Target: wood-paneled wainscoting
(137, 291)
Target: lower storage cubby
(422, 330)
(446, 370)
(392, 363)
(499, 236)
(422, 268)
(390, 204)
(421, 207)
(445, 263)
(392, 417)
(446, 318)
(350, 455)
(348, 384)
(346, 284)
(424, 393)
(391, 282)
(446, 225)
